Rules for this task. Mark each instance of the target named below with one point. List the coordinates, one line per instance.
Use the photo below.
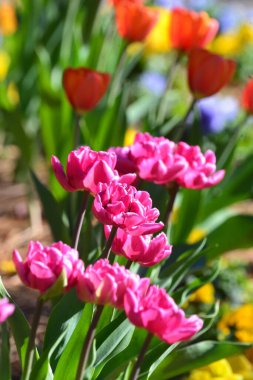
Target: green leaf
(195, 356)
(19, 326)
(5, 368)
(42, 369)
(119, 362)
(66, 369)
(236, 232)
(172, 276)
(116, 342)
(52, 211)
(63, 319)
(57, 287)
(187, 215)
(234, 188)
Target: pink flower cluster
(144, 249)
(116, 203)
(103, 283)
(157, 312)
(123, 206)
(43, 265)
(6, 309)
(86, 168)
(159, 160)
(146, 306)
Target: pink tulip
(86, 168)
(122, 206)
(156, 158)
(145, 250)
(43, 265)
(124, 164)
(103, 283)
(6, 309)
(201, 171)
(157, 312)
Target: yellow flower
(245, 33)
(196, 235)
(158, 40)
(4, 64)
(239, 322)
(13, 94)
(8, 19)
(7, 267)
(220, 370)
(241, 365)
(205, 294)
(228, 44)
(129, 136)
(134, 48)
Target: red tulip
(190, 29)
(208, 72)
(247, 96)
(115, 3)
(84, 87)
(134, 21)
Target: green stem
(77, 130)
(136, 369)
(162, 111)
(173, 190)
(232, 142)
(128, 264)
(31, 343)
(108, 245)
(88, 343)
(117, 79)
(181, 128)
(80, 219)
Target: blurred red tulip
(134, 21)
(84, 87)
(115, 3)
(247, 96)
(190, 29)
(208, 72)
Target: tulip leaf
(64, 318)
(116, 342)
(186, 215)
(236, 232)
(234, 188)
(5, 368)
(19, 326)
(52, 211)
(194, 356)
(57, 287)
(65, 369)
(42, 369)
(118, 363)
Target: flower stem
(107, 249)
(128, 264)
(77, 130)
(31, 342)
(173, 190)
(181, 128)
(136, 369)
(88, 343)
(231, 144)
(80, 219)
(171, 76)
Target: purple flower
(216, 112)
(153, 82)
